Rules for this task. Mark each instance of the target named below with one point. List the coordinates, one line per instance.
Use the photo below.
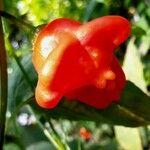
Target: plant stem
(3, 84)
(47, 133)
(58, 138)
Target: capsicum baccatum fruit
(77, 61)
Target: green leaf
(128, 138)
(146, 59)
(133, 66)
(89, 9)
(145, 44)
(12, 146)
(33, 130)
(18, 88)
(132, 110)
(43, 145)
(138, 31)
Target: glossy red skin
(77, 61)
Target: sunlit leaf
(128, 138)
(133, 66)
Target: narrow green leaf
(132, 110)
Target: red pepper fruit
(77, 61)
(85, 134)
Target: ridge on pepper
(76, 61)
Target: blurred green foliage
(29, 127)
